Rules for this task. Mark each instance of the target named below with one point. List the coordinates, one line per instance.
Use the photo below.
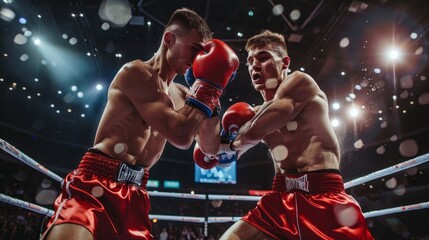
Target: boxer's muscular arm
(142, 88)
(291, 97)
(208, 137)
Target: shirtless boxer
(307, 200)
(106, 196)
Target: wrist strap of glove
(226, 140)
(204, 96)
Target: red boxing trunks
(310, 205)
(107, 197)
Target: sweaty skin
(145, 109)
(293, 121)
(312, 146)
(136, 124)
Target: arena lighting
(393, 54)
(354, 112)
(99, 87)
(335, 122)
(22, 20)
(63, 64)
(37, 41)
(336, 106)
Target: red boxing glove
(216, 64)
(236, 116)
(213, 69)
(204, 161)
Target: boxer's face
(265, 67)
(183, 50)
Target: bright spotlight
(37, 41)
(393, 54)
(22, 20)
(354, 112)
(99, 87)
(335, 122)
(336, 106)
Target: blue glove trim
(211, 83)
(226, 137)
(195, 103)
(234, 74)
(189, 77)
(225, 158)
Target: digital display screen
(218, 174)
(171, 184)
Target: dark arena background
(371, 58)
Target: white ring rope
(378, 174)
(49, 212)
(387, 171)
(26, 205)
(387, 211)
(233, 197)
(177, 218)
(377, 213)
(27, 160)
(177, 195)
(222, 219)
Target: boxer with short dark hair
(307, 200)
(106, 196)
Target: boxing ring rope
(178, 218)
(387, 211)
(26, 205)
(177, 195)
(387, 171)
(233, 197)
(48, 212)
(378, 174)
(27, 160)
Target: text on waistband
(129, 175)
(300, 183)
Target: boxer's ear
(168, 39)
(286, 62)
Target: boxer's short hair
(188, 20)
(275, 41)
